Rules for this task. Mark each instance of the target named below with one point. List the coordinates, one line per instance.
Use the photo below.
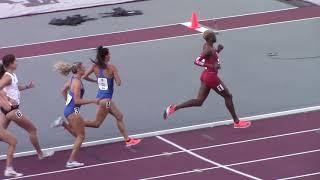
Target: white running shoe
(57, 123)
(74, 164)
(46, 154)
(10, 172)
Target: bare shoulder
(113, 67)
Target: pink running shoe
(169, 111)
(132, 142)
(242, 124)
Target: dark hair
(101, 55)
(6, 61)
(208, 35)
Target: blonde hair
(65, 68)
(208, 34)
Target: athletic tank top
(213, 59)
(105, 85)
(70, 103)
(12, 91)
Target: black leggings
(11, 109)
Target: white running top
(12, 90)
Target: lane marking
(301, 176)
(89, 166)
(175, 37)
(166, 154)
(256, 139)
(241, 163)
(174, 130)
(137, 29)
(202, 29)
(207, 160)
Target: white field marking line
(174, 130)
(160, 39)
(207, 160)
(179, 173)
(116, 45)
(159, 155)
(94, 165)
(166, 153)
(202, 29)
(235, 164)
(268, 24)
(171, 153)
(257, 139)
(305, 175)
(137, 29)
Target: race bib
(103, 84)
(76, 110)
(69, 98)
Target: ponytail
(100, 57)
(65, 68)
(2, 70)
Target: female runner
(73, 92)
(9, 84)
(8, 138)
(210, 80)
(106, 75)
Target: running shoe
(46, 154)
(10, 172)
(169, 111)
(242, 124)
(57, 123)
(132, 142)
(73, 164)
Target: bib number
(103, 84)
(18, 114)
(69, 98)
(220, 88)
(76, 110)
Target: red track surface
(148, 34)
(271, 149)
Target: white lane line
(175, 37)
(94, 165)
(172, 153)
(268, 24)
(201, 29)
(174, 130)
(241, 163)
(179, 173)
(137, 29)
(116, 45)
(207, 160)
(256, 139)
(301, 176)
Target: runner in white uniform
(7, 137)
(9, 84)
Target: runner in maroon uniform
(209, 80)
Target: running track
(157, 33)
(276, 148)
(285, 147)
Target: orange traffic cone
(194, 21)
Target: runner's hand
(30, 85)
(220, 48)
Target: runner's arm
(77, 95)
(87, 77)
(65, 90)
(5, 81)
(200, 61)
(116, 76)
